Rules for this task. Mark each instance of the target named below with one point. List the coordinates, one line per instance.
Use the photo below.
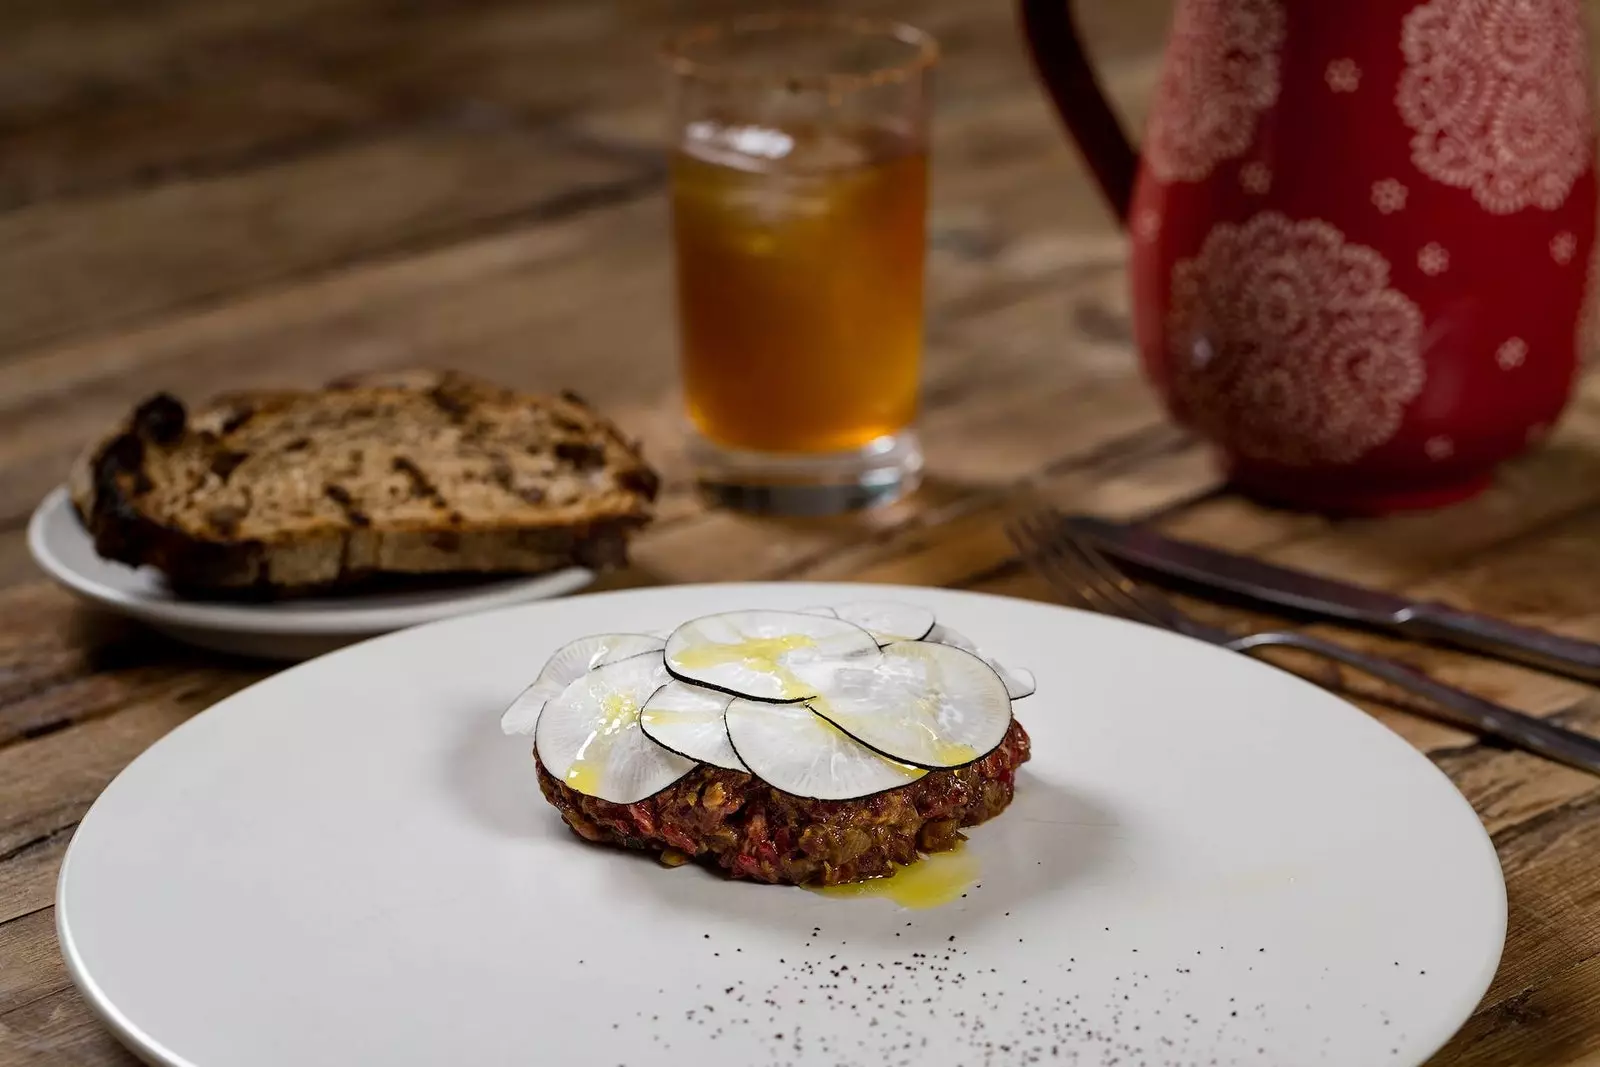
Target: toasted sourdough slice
(416, 472)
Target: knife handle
(1458, 706)
(1506, 640)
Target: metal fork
(1077, 570)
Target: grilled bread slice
(409, 473)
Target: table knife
(1266, 583)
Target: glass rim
(674, 52)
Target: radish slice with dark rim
(791, 748)
(888, 621)
(923, 703)
(589, 736)
(764, 655)
(569, 662)
(688, 719)
(1019, 683)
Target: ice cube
(827, 150)
(714, 141)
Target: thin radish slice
(924, 703)
(942, 634)
(687, 718)
(1019, 680)
(1019, 683)
(825, 612)
(791, 748)
(589, 736)
(571, 660)
(888, 621)
(763, 655)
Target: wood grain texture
(211, 194)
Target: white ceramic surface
(285, 630)
(1208, 860)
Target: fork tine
(1153, 602)
(1040, 538)
(1088, 568)
(1112, 587)
(1027, 535)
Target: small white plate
(1208, 860)
(291, 629)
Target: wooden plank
(189, 242)
(59, 1030)
(98, 104)
(28, 876)
(61, 664)
(1553, 891)
(97, 99)
(1549, 1023)
(33, 966)
(16, 565)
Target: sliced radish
(942, 634)
(1019, 680)
(1019, 683)
(687, 718)
(571, 660)
(924, 703)
(825, 612)
(589, 735)
(763, 655)
(791, 748)
(888, 621)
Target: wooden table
(201, 194)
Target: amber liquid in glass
(800, 288)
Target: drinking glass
(799, 203)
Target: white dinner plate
(285, 630)
(1208, 860)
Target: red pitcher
(1361, 233)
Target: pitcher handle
(1059, 58)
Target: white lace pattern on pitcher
(1288, 343)
(1496, 93)
(1221, 73)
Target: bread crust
(119, 484)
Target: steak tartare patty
(734, 821)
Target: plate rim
(247, 619)
(153, 1052)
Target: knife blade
(1267, 583)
